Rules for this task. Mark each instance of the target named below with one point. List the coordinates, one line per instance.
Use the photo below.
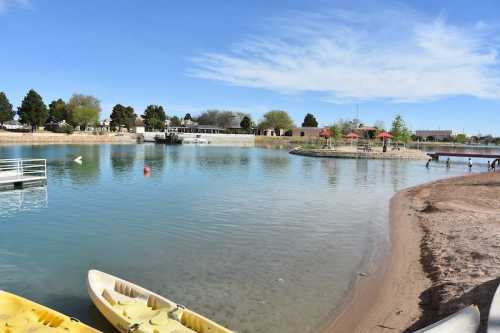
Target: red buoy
(147, 170)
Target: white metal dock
(18, 173)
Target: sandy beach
(444, 255)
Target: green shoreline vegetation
(82, 112)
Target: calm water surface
(257, 239)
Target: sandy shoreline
(443, 256)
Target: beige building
(306, 131)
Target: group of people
(491, 165)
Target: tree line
(81, 111)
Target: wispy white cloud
(396, 55)
(6, 4)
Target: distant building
(433, 135)
(13, 125)
(307, 131)
(271, 132)
(139, 125)
(187, 122)
(105, 125)
(201, 129)
(366, 132)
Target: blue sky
(434, 62)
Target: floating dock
(437, 155)
(19, 173)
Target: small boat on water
(464, 321)
(132, 308)
(19, 315)
(196, 141)
(494, 314)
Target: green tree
(175, 121)
(83, 110)
(310, 121)
(336, 132)
(461, 138)
(188, 116)
(154, 117)
(246, 123)
(122, 116)
(399, 131)
(347, 126)
(58, 110)
(32, 110)
(6, 112)
(277, 119)
(85, 116)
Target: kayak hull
(464, 321)
(19, 315)
(129, 307)
(494, 314)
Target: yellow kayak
(19, 315)
(131, 308)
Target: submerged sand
(444, 255)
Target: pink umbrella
(352, 135)
(384, 135)
(325, 133)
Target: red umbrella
(352, 135)
(384, 135)
(325, 133)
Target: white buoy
(78, 160)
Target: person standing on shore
(493, 165)
(470, 164)
(448, 163)
(489, 166)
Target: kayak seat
(113, 297)
(31, 321)
(125, 289)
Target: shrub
(68, 129)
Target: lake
(256, 239)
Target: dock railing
(23, 169)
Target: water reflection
(361, 174)
(28, 199)
(220, 159)
(122, 159)
(399, 175)
(329, 168)
(154, 157)
(275, 163)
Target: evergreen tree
(175, 121)
(309, 121)
(188, 116)
(32, 110)
(399, 131)
(154, 117)
(58, 110)
(6, 112)
(246, 123)
(122, 116)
